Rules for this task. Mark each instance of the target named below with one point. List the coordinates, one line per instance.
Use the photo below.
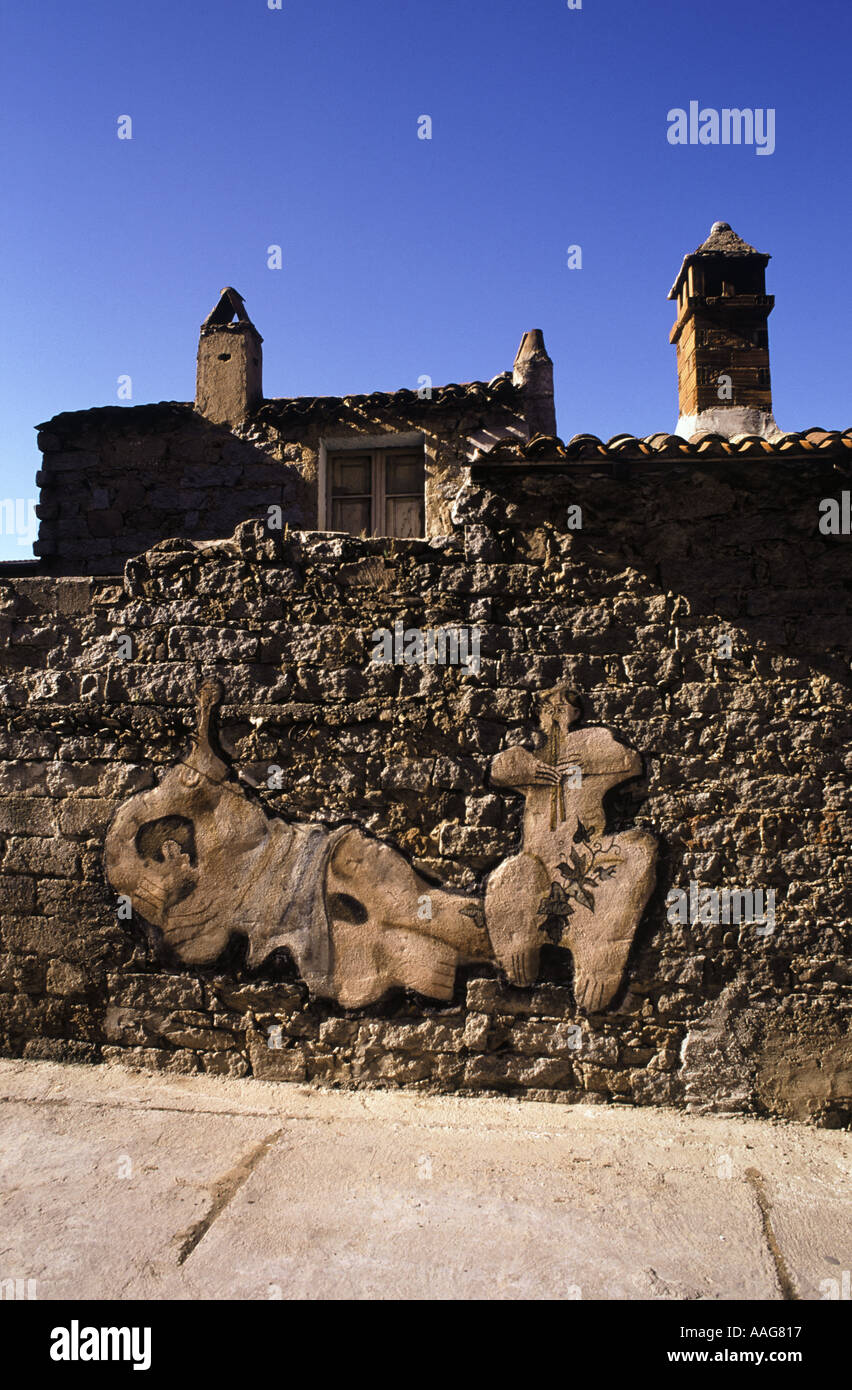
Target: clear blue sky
(402, 256)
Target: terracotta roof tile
(468, 395)
(587, 447)
(156, 413)
(498, 442)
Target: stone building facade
(117, 480)
(690, 589)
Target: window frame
(378, 447)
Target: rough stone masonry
(685, 589)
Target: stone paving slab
(118, 1185)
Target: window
(379, 492)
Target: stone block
(21, 974)
(53, 858)
(165, 992)
(17, 893)
(66, 979)
(276, 1064)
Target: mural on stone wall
(200, 860)
(570, 883)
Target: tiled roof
(146, 416)
(275, 410)
(483, 440)
(587, 448)
(407, 403)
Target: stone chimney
(533, 372)
(229, 379)
(722, 338)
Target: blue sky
(402, 257)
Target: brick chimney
(229, 379)
(533, 372)
(722, 338)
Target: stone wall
(745, 783)
(116, 480)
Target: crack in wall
(782, 1274)
(222, 1191)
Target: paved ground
(116, 1185)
